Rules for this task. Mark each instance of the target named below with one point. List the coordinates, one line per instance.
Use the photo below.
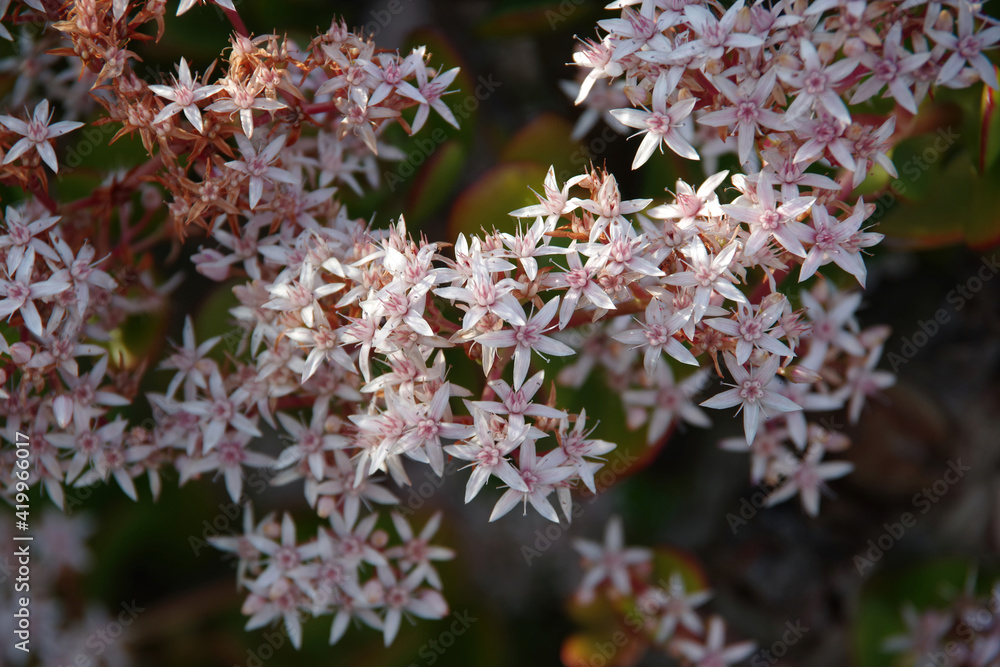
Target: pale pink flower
(769, 220)
(751, 393)
(20, 293)
(609, 561)
(894, 69)
(806, 477)
(257, 166)
(967, 47)
(660, 124)
(707, 275)
(528, 337)
(712, 651)
(539, 477)
(243, 100)
(184, 96)
(748, 111)
(752, 328)
(36, 134)
(816, 83)
(488, 454)
(657, 335)
(838, 241)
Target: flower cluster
(59, 557)
(348, 571)
(964, 633)
(346, 334)
(663, 615)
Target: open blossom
(243, 99)
(432, 90)
(816, 83)
(838, 241)
(610, 561)
(661, 124)
(669, 401)
(221, 410)
(484, 294)
(257, 166)
(539, 476)
(893, 69)
(488, 454)
(36, 134)
(713, 652)
(806, 477)
(967, 47)
(23, 233)
(19, 292)
(184, 96)
(581, 285)
(749, 111)
(707, 275)
(690, 204)
(657, 335)
(768, 219)
(751, 393)
(528, 337)
(751, 329)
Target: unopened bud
(854, 47)
(743, 20)
(379, 539)
(62, 408)
(799, 374)
(151, 198)
(20, 353)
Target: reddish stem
(237, 21)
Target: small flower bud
(854, 47)
(799, 374)
(151, 198)
(62, 408)
(379, 539)
(326, 506)
(21, 353)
